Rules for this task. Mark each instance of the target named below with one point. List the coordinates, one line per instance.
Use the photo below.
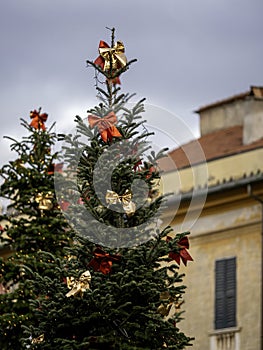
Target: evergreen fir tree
(32, 226)
(120, 287)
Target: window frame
(225, 293)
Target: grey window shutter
(225, 293)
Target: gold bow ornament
(111, 57)
(38, 340)
(125, 199)
(170, 304)
(44, 201)
(80, 285)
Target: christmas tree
(33, 230)
(119, 287)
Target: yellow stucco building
(218, 188)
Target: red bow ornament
(38, 120)
(134, 153)
(55, 168)
(105, 125)
(102, 261)
(80, 201)
(111, 58)
(183, 254)
(64, 205)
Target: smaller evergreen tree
(32, 225)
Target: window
(225, 293)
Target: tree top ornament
(111, 61)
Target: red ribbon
(58, 168)
(80, 201)
(102, 261)
(105, 125)
(183, 254)
(100, 60)
(150, 171)
(38, 120)
(64, 205)
(134, 153)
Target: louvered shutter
(225, 293)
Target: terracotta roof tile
(255, 91)
(211, 146)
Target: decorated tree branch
(120, 286)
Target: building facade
(218, 196)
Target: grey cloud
(189, 53)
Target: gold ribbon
(44, 201)
(125, 199)
(113, 56)
(38, 340)
(78, 286)
(169, 302)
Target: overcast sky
(190, 53)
